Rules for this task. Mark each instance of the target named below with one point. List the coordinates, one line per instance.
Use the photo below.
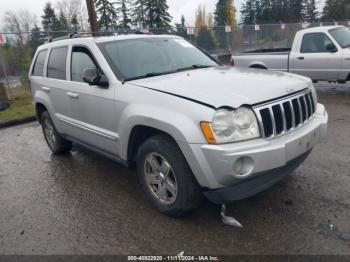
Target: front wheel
(56, 143)
(166, 178)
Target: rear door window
(56, 67)
(38, 69)
(315, 43)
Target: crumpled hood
(226, 86)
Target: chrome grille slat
(268, 114)
(284, 118)
(300, 112)
(306, 108)
(273, 122)
(293, 113)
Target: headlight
(233, 126)
(314, 94)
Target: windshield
(141, 58)
(342, 36)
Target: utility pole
(92, 16)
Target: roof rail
(99, 34)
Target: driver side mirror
(332, 48)
(93, 76)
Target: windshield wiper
(192, 67)
(148, 75)
(153, 74)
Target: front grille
(281, 117)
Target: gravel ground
(85, 204)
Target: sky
(177, 8)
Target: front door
(315, 59)
(93, 107)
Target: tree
(205, 37)
(36, 39)
(107, 14)
(73, 8)
(49, 18)
(74, 24)
(139, 14)
(225, 13)
(201, 17)
(92, 16)
(249, 12)
(181, 27)
(62, 22)
(12, 24)
(310, 11)
(125, 21)
(158, 14)
(336, 10)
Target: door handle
(46, 89)
(73, 95)
(301, 58)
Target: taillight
(232, 62)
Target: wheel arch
(258, 65)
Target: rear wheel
(166, 178)
(56, 143)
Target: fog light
(243, 167)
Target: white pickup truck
(322, 54)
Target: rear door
(56, 86)
(93, 106)
(315, 60)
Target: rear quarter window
(57, 65)
(38, 69)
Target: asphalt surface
(85, 204)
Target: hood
(226, 86)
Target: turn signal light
(208, 134)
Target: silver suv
(190, 126)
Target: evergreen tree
(62, 23)
(206, 39)
(107, 14)
(36, 39)
(158, 14)
(74, 24)
(139, 11)
(335, 10)
(249, 12)
(49, 18)
(225, 13)
(123, 10)
(310, 11)
(295, 11)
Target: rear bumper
(254, 185)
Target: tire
(165, 155)
(56, 143)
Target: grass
(20, 105)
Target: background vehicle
(164, 106)
(321, 53)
